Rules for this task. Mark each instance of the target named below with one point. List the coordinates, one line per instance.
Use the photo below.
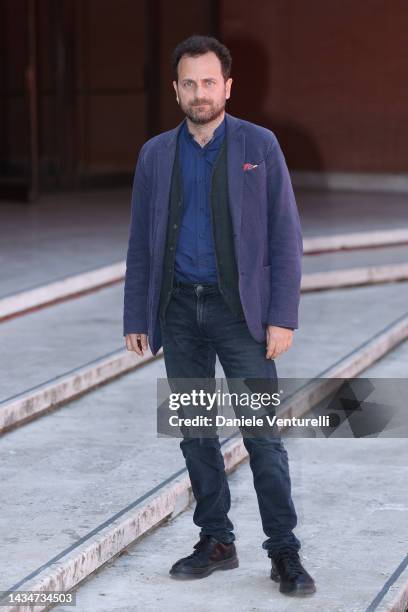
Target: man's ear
(175, 89)
(228, 84)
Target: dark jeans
(199, 325)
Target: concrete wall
(330, 78)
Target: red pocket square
(249, 166)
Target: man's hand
(137, 343)
(278, 340)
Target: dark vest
(222, 234)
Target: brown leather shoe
(209, 555)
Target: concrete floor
(52, 341)
(65, 473)
(70, 470)
(352, 504)
(60, 235)
(338, 212)
(339, 260)
(65, 234)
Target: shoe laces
(289, 558)
(200, 547)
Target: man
(214, 268)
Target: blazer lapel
(235, 161)
(165, 160)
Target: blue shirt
(195, 254)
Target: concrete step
(348, 268)
(52, 355)
(70, 243)
(75, 346)
(359, 564)
(351, 548)
(355, 240)
(68, 234)
(327, 266)
(358, 258)
(359, 560)
(88, 466)
(77, 357)
(61, 235)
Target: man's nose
(199, 92)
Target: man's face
(201, 90)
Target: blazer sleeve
(285, 241)
(137, 258)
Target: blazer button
(175, 226)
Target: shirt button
(175, 226)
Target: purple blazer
(266, 229)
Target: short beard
(204, 117)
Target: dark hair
(198, 45)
